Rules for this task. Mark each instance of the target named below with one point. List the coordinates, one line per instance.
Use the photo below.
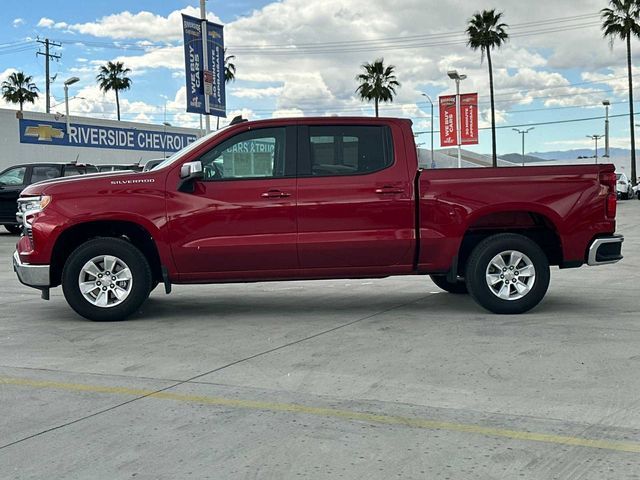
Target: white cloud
(17, 22)
(142, 25)
(254, 93)
(46, 22)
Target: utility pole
(47, 55)
(523, 133)
(205, 63)
(596, 138)
(433, 160)
(454, 75)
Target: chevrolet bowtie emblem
(44, 132)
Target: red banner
(448, 132)
(468, 120)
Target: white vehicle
(623, 187)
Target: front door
(240, 220)
(12, 182)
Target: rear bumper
(605, 250)
(36, 276)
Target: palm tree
(18, 88)
(229, 67)
(113, 76)
(378, 83)
(485, 33)
(229, 74)
(622, 21)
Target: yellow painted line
(413, 422)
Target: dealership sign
(202, 82)
(95, 136)
(468, 120)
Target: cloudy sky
(300, 57)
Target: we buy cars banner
(468, 120)
(199, 82)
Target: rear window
(349, 150)
(44, 172)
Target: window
(349, 150)
(13, 176)
(71, 171)
(44, 172)
(253, 154)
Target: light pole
(523, 133)
(454, 75)
(205, 63)
(67, 82)
(606, 104)
(596, 138)
(433, 160)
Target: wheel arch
(74, 236)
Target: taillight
(612, 205)
(608, 179)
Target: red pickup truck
(313, 198)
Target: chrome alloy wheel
(105, 281)
(510, 275)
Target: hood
(100, 181)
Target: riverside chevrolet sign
(96, 136)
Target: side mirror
(189, 172)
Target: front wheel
(106, 279)
(508, 274)
(459, 287)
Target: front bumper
(605, 250)
(36, 276)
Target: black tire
(14, 229)
(441, 281)
(480, 260)
(140, 273)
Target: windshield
(192, 146)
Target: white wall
(13, 152)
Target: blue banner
(96, 136)
(200, 83)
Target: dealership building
(39, 137)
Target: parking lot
(333, 379)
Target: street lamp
(523, 133)
(433, 161)
(596, 138)
(606, 104)
(67, 82)
(454, 75)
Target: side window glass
(44, 172)
(349, 150)
(253, 154)
(71, 171)
(13, 176)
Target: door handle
(388, 190)
(275, 194)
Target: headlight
(30, 206)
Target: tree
(19, 88)
(377, 83)
(113, 76)
(485, 33)
(622, 21)
(229, 67)
(229, 73)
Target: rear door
(355, 207)
(240, 220)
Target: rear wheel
(15, 229)
(441, 281)
(106, 279)
(508, 274)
